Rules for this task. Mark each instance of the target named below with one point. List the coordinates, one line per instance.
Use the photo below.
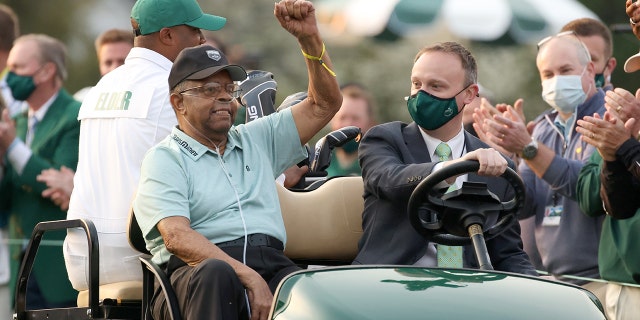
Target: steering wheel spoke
(446, 218)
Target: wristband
(310, 57)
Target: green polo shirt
(181, 177)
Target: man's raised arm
(324, 97)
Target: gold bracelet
(310, 57)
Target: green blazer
(54, 144)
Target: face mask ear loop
(590, 83)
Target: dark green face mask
(351, 146)
(431, 112)
(599, 80)
(21, 86)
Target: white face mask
(564, 93)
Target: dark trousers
(212, 290)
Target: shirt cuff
(18, 154)
(442, 184)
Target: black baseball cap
(202, 61)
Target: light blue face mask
(564, 92)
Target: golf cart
(323, 220)
(469, 215)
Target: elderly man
(396, 156)
(206, 201)
(553, 155)
(46, 136)
(124, 115)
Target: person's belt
(255, 240)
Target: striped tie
(31, 130)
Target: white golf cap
(632, 64)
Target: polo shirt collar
(147, 54)
(189, 146)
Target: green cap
(153, 15)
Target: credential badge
(214, 54)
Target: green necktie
(448, 256)
(443, 151)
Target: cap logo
(214, 55)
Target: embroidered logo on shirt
(184, 145)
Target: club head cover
(258, 94)
(292, 99)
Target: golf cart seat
(112, 301)
(119, 291)
(324, 225)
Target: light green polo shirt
(181, 177)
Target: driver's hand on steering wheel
(492, 163)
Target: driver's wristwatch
(530, 150)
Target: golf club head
(324, 146)
(258, 94)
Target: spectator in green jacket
(612, 177)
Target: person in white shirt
(124, 115)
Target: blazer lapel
(21, 126)
(415, 143)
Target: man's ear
(47, 72)
(611, 64)
(591, 69)
(166, 36)
(471, 93)
(178, 103)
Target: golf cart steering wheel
(446, 218)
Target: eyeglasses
(561, 34)
(213, 90)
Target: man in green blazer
(45, 136)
